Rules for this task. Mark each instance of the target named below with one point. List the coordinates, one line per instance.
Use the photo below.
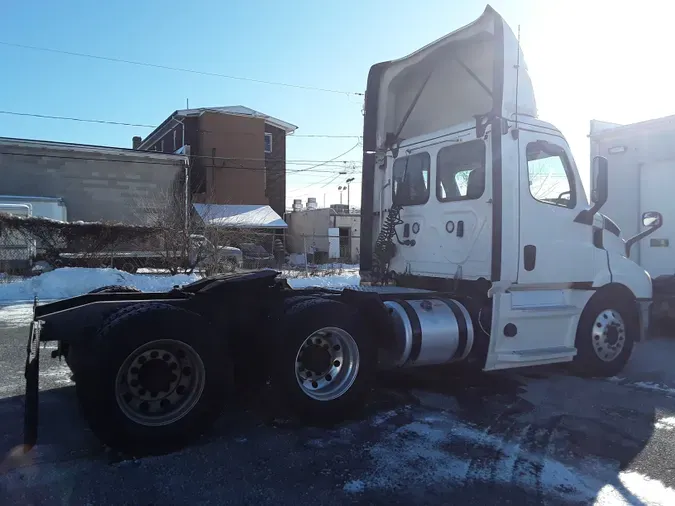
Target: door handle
(529, 257)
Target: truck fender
(627, 273)
(373, 312)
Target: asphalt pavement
(429, 437)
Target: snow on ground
(338, 281)
(15, 316)
(398, 455)
(72, 281)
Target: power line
(329, 136)
(175, 69)
(144, 125)
(323, 180)
(331, 181)
(148, 162)
(335, 158)
(100, 121)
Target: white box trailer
(53, 208)
(642, 178)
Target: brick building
(237, 155)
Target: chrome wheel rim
(160, 382)
(609, 335)
(327, 364)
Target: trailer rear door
(657, 193)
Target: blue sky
(591, 60)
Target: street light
(348, 181)
(341, 189)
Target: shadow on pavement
(528, 438)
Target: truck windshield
(411, 179)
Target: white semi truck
(478, 246)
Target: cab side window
(550, 176)
(460, 171)
(411, 179)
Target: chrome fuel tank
(428, 332)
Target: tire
(603, 352)
(112, 395)
(116, 289)
(339, 393)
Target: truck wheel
(605, 335)
(326, 360)
(156, 378)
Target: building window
(175, 140)
(161, 146)
(268, 143)
(411, 179)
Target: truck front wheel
(607, 330)
(157, 379)
(326, 360)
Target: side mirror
(600, 190)
(652, 219)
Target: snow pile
(73, 281)
(326, 281)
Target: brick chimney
(136, 142)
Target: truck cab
(467, 191)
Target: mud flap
(32, 374)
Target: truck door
(535, 318)
(555, 250)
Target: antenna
(517, 74)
